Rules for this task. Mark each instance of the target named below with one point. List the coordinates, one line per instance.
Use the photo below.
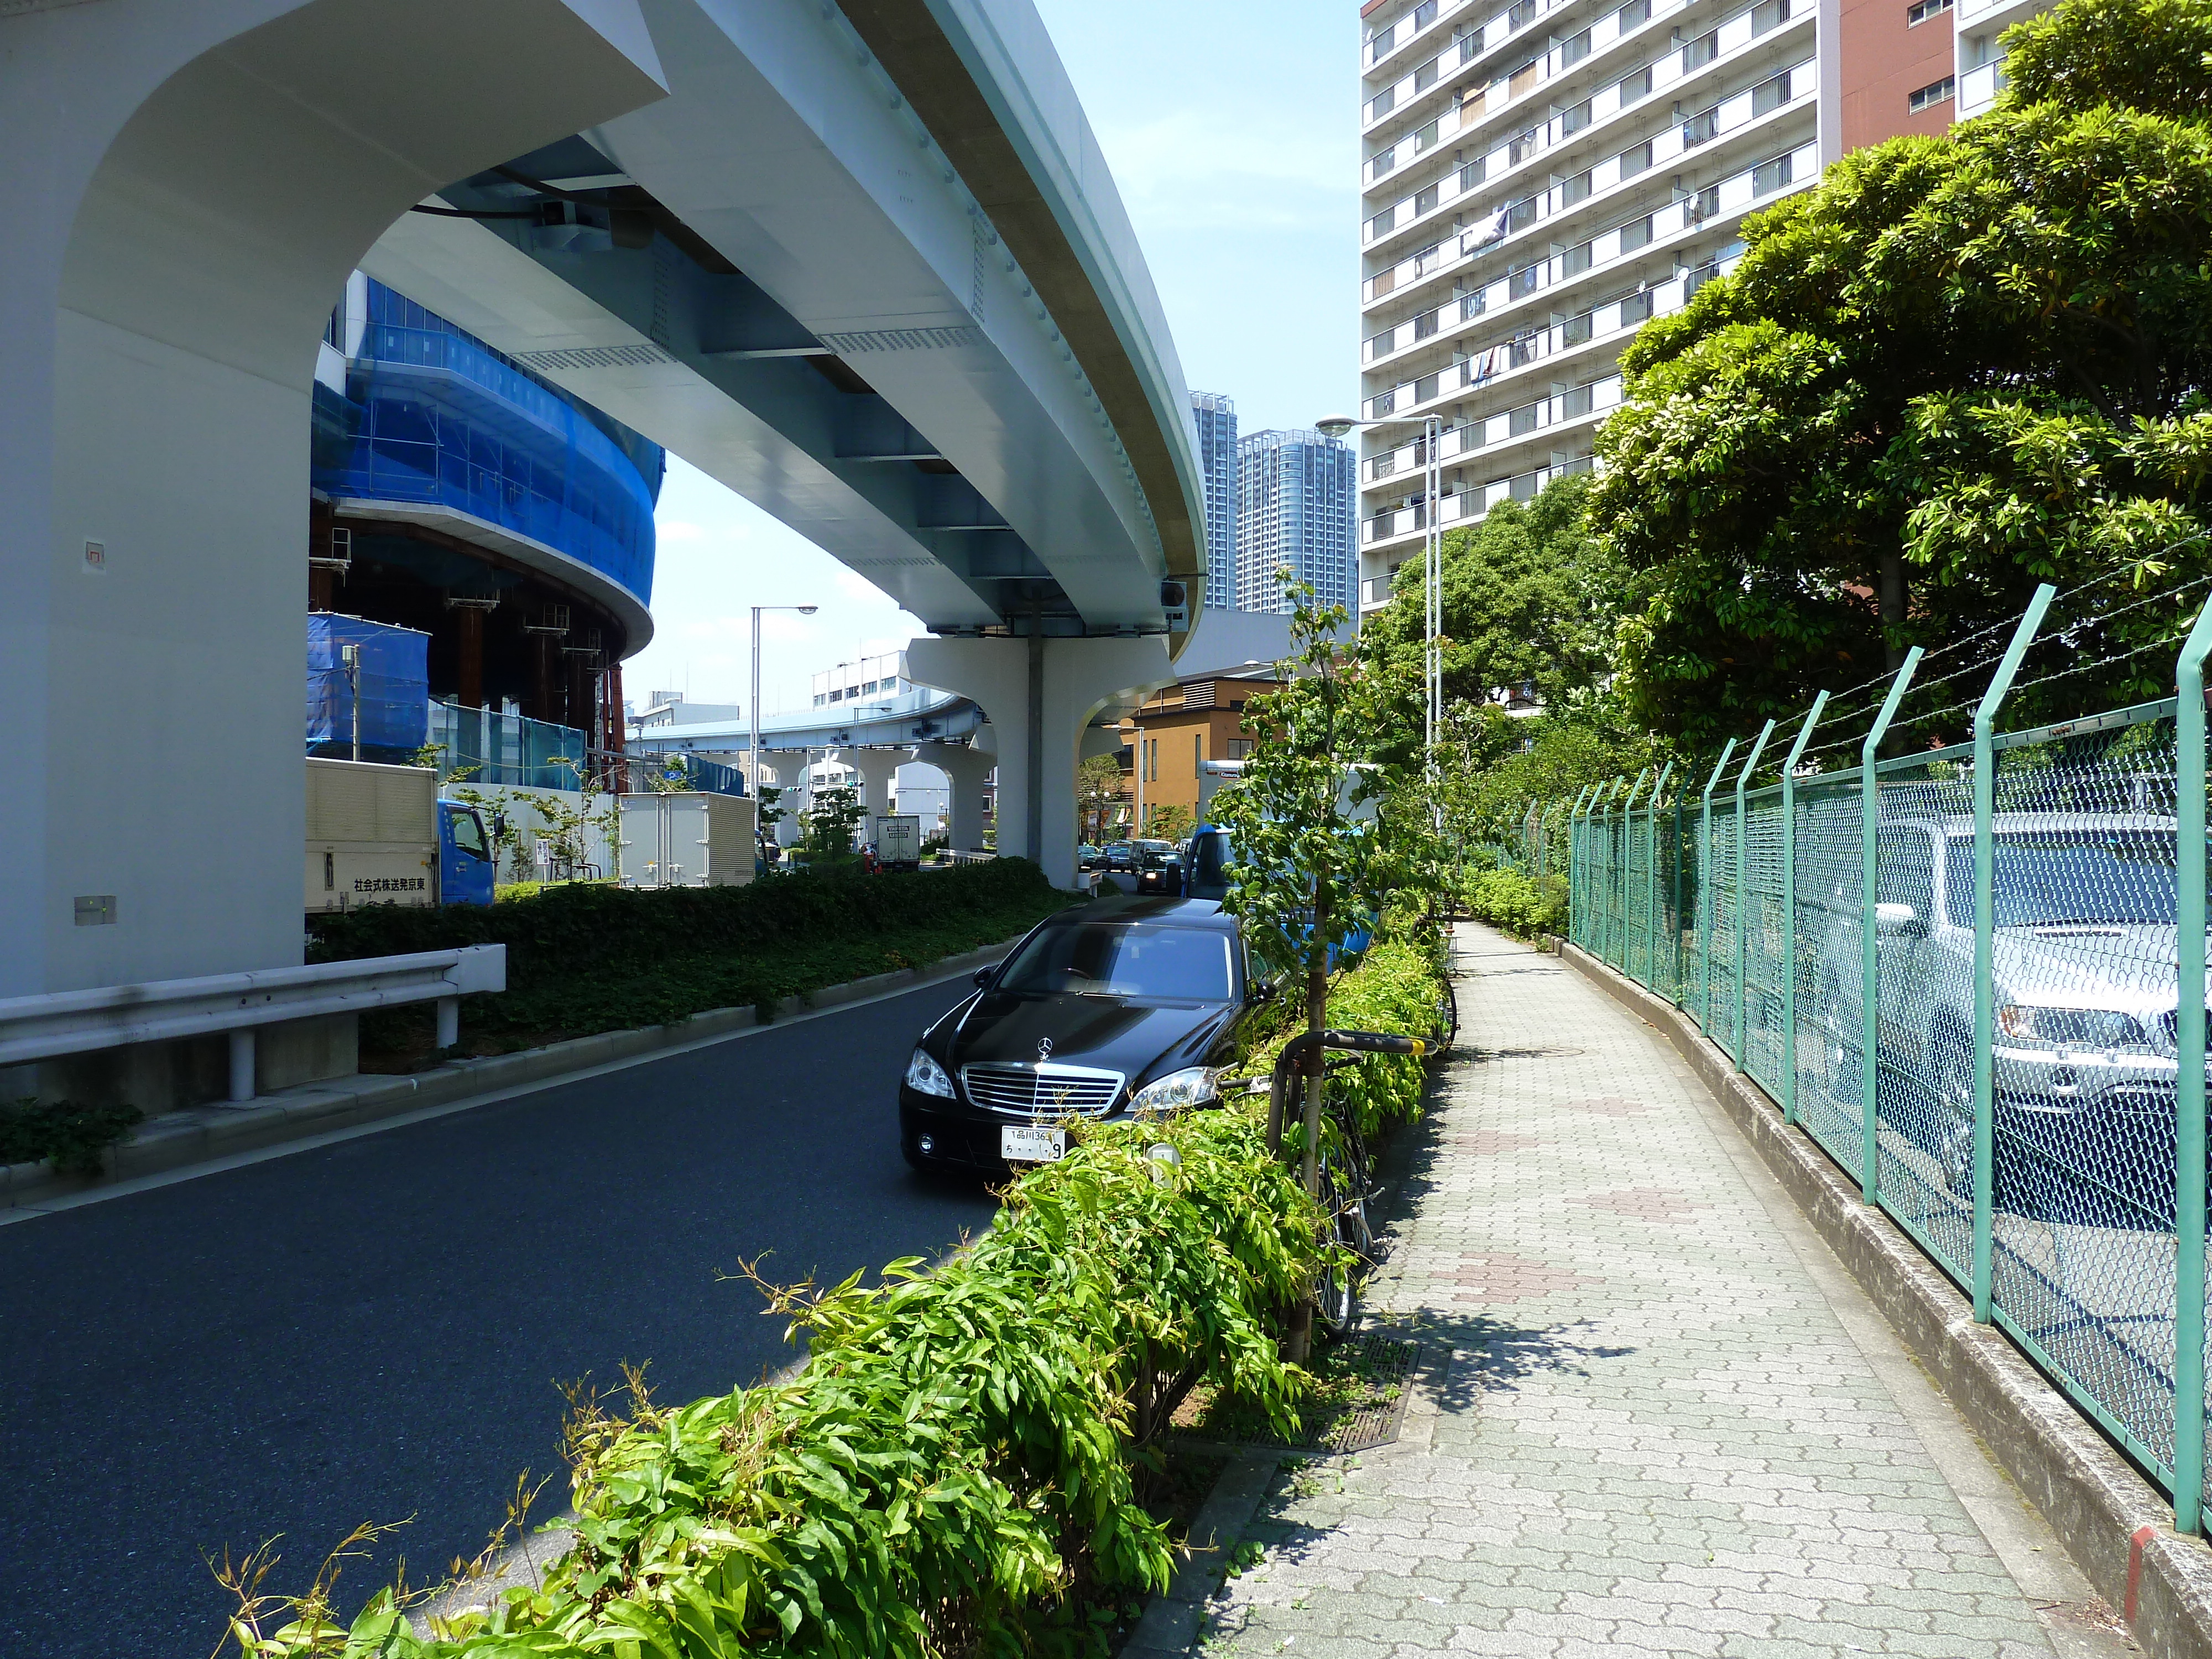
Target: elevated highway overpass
(862, 263)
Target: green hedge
(1509, 900)
(1395, 989)
(951, 1472)
(589, 958)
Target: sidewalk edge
(2115, 1524)
(177, 1140)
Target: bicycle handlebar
(1293, 1058)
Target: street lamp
(803, 611)
(1433, 560)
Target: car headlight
(1188, 1087)
(925, 1077)
(2077, 1028)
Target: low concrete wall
(164, 1078)
(2118, 1526)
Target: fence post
(1869, 944)
(1705, 892)
(1627, 830)
(1576, 860)
(1674, 933)
(1651, 881)
(1790, 910)
(1742, 882)
(1602, 835)
(1985, 1011)
(2188, 1172)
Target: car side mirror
(1898, 921)
(983, 976)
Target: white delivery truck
(898, 842)
(379, 835)
(691, 838)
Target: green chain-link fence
(2009, 924)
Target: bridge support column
(1039, 694)
(967, 774)
(877, 768)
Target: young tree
(1098, 796)
(832, 820)
(1170, 821)
(1957, 367)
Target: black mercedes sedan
(1122, 1006)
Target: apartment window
(1425, 139)
(1704, 204)
(1383, 101)
(1524, 214)
(1636, 308)
(1522, 79)
(1379, 48)
(1425, 324)
(819, 700)
(1701, 129)
(1935, 92)
(1380, 344)
(1528, 347)
(1425, 13)
(1521, 147)
(1921, 10)
(1574, 49)
(1575, 261)
(1425, 388)
(1521, 421)
(1574, 119)
(1574, 403)
(1769, 176)
(1636, 86)
(1384, 162)
(1576, 331)
(1425, 76)
(1696, 279)
(1697, 53)
(1471, 175)
(837, 696)
(1770, 13)
(1574, 190)
(1471, 305)
(1424, 201)
(1241, 748)
(1636, 11)
(1633, 161)
(1520, 12)
(1381, 224)
(1635, 234)
(1521, 283)
(1773, 92)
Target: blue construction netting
(432, 415)
(394, 687)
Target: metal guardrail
(63, 1023)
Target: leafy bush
(953, 1472)
(587, 958)
(1397, 988)
(1526, 908)
(69, 1133)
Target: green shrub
(1528, 909)
(72, 1135)
(1396, 988)
(589, 958)
(951, 1472)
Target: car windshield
(1124, 959)
(2052, 877)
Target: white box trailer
(693, 838)
(371, 835)
(898, 841)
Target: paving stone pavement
(1665, 1425)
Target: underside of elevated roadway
(863, 265)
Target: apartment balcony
(1633, 241)
(1737, 122)
(1676, 73)
(1393, 532)
(1979, 89)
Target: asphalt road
(377, 1329)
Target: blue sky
(1231, 129)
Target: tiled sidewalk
(1670, 1423)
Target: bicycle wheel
(1336, 1295)
(1446, 1018)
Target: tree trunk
(1301, 1338)
(1893, 598)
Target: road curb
(2117, 1526)
(176, 1141)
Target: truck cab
(465, 865)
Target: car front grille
(1039, 1089)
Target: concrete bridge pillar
(967, 774)
(1039, 694)
(877, 768)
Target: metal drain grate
(1373, 1378)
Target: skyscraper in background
(1217, 455)
(1294, 509)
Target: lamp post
(1433, 560)
(803, 611)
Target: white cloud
(678, 530)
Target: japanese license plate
(1019, 1145)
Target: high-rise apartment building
(1540, 179)
(1294, 510)
(1216, 458)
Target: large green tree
(1957, 367)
